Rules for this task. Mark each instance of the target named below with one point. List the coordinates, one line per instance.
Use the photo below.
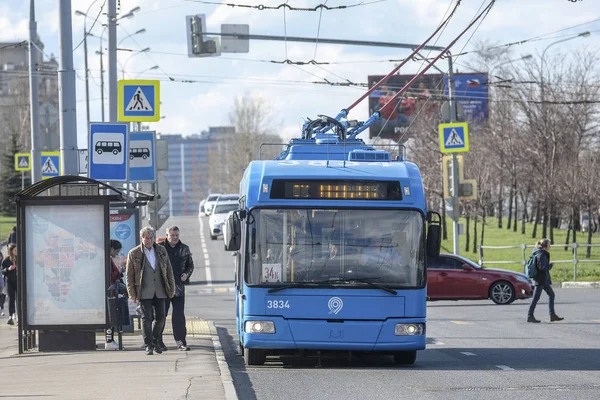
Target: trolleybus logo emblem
(335, 304)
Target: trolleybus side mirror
(233, 234)
(434, 237)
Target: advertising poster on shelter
(66, 265)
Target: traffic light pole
(455, 177)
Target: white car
(210, 202)
(218, 215)
(229, 214)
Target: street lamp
(87, 84)
(525, 57)
(146, 70)
(129, 58)
(133, 34)
(583, 34)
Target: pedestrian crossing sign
(139, 100)
(22, 162)
(50, 164)
(454, 137)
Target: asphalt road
(474, 349)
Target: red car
(451, 277)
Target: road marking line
(438, 343)
(466, 353)
(462, 322)
(206, 258)
(226, 379)
(505, 368)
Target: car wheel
(144, 156)
(212, 237)
(255, 356)
(405, 357)
(115, 152)
(99, 151)
(131, 157)
(502, 292)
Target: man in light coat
(150, 281)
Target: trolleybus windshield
(341, 246)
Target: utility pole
(67, 102)
(87, 73)
(112, 60)
(102, 78)
(455, 180)
(34, 97)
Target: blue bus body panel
(304, 319)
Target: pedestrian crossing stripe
(454, 139)
(139, 102)
(49, 167)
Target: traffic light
(467, 188)
(200, 45)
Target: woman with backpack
(542, 280)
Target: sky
(191, 107)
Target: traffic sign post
(142, 157)
(108, 150)
(22, 163)
(139, 101)
(50, 164)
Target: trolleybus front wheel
(405, 357)
(254, 356)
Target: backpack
(531, 266)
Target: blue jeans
(536, 297)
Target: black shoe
(149, 350)
(10, 321)
(157, 349)
(532, 319)
(162, 346)
(182, 346)
(554, 317)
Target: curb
(580, 285)
(226, 380)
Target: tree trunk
(552, 220)
(568, 234)
(510, 208)
(474, 234)
(545, 218)
(524, 219)
(538, 213)
(516, 209)
(444, 226)
(500, 203)
(468, 237)
(588, 252)
(574, 220)
(483, 216)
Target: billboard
(423, 99)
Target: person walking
(183, 267)
(9, 270)
(115, 277)
(150, 281)
(2, 288)
(543, 281)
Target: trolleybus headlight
(259, 327)
(409, 329)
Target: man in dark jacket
(542, 281)
(183, 267)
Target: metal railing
(524, 257)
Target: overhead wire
(92, 27)
(262, 7)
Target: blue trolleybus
(332, 243)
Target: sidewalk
(201, 373)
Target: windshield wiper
(298, 285)
(362, 280)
